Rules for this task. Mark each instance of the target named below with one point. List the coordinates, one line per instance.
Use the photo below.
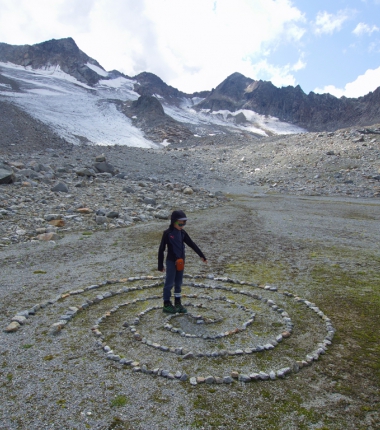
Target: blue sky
(323, 46)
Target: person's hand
(204, 260)
(162, 270)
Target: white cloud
(363, 28)
(192, 45)
(327, 23)
(360, 87)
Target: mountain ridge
(239, 104)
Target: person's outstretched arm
(194, 247)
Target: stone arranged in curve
(21, 318)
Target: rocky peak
(228, 94)
(63, 53)
(314, 112)
(150, 84)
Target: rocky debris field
(53, 194)
(53, 191)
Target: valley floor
(322, 249)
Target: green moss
(119, 400)
(261, 272)
(39, 272)
(48, 357)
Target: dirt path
(324, 250)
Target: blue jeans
(173, 278)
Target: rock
(112, 214)
(12, 327)
(150, 201)
(209, 380)
(188, 355)
(227, 380)
(162, 215)
(101, 220)
(104, 167)
(84, 211)
(29, 173)
(188, 191)
(244, 378)
(20, 319)
(50, 217)
(193, 380)
(6, 174)
(57, 222)
(85, 172)
(128, 190)
(60, 188)
(45, 237)
(184, 377)
(100, 158)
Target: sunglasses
(181, 224)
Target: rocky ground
(297, 213)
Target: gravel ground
(299, 213)
(323, 249)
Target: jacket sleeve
(193, 246)
(161, 250)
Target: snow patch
(97, 69)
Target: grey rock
(101, 220)
(60, 187)
(184, 377)
(209, 380)
(104, 167)
(162, 215)
(100, 158)
(6, 174)
(85, 172)
(188, 355)
(150, 201)
(244, 378)
(112, 214)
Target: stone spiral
(233, 331)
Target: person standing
(174, 239)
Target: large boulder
(6, 174)
(104, 167)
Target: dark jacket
(167, 241)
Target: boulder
(12, 327)
(188, 191)
(57, 222)
(6, 174)
(60, 188)
(45, 237)
(85, 172)
(100, 158)
(104, 167)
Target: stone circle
(223, 323)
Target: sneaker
(180, 309)
(169, 309)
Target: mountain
(61, 87)
(314, 112)
(63, 53)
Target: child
(175, 238)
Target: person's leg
(178, 285)
(177, 292)
(169, 283)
